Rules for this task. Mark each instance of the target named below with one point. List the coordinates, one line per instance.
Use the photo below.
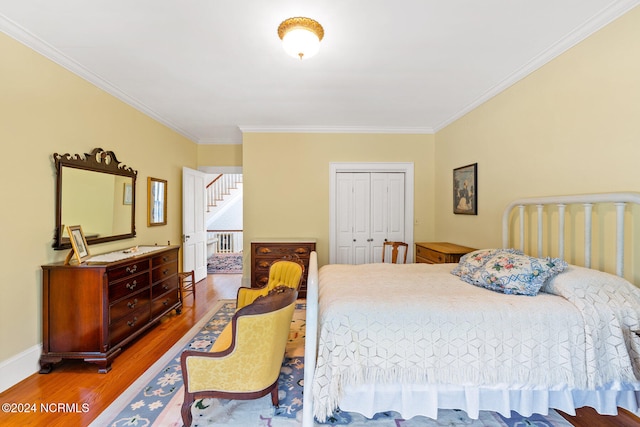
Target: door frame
(402, 167)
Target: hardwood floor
(83, 393)
(74, 393)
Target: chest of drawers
(90, 312)
(440, 252)
(265, 252)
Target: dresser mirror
(97, 192)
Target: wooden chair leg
(187, 283)
(187, 416)
(274, 396)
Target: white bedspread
(417, 323)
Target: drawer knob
(132, 323)
(165, 271)
(132, 304)
(131, 286)
(132, 270)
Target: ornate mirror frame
(99, 161)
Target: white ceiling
(210, 68)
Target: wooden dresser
(440, 252)
(91, 310)
(264, 252)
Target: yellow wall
(286, 181)
(219, 155)
(571, 127)
(47, 109)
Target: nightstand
(440, 252)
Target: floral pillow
(516, 274)
(472, 261)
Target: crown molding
(595, 23)
(219, 141)
(30, 40)
(338, 129)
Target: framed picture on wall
(156, 201)
(465, 190)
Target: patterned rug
(224, 264)
(156, 397)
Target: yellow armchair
(245, 360)
(281, 273)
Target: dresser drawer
(164, 271)
(128, 286)
(164, 302)
(164, 287)
(132, 322)
(128, 270)
(278, 251)
(128, 305)
(429, 256)
(164, 258)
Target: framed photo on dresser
(78, 243)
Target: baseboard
(19, 367)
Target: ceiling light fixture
(301, 36)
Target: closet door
(387, 211)
(352, 218)
(370, 210)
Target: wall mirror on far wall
(96, 191)
(156, 201)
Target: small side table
(440, 252)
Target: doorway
(224, 219)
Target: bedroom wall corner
(570, 127)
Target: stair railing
(221, 186)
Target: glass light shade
(301, 43)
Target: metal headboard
(619, 200)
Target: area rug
(224, 264)
(156, 397)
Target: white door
(194, 227)
(369, 210)
(344, 218)
(387, 211)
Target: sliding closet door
(370, 210)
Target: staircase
(222, 192)
(221, 186)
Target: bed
(415, 338)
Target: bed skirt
(425, 399)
